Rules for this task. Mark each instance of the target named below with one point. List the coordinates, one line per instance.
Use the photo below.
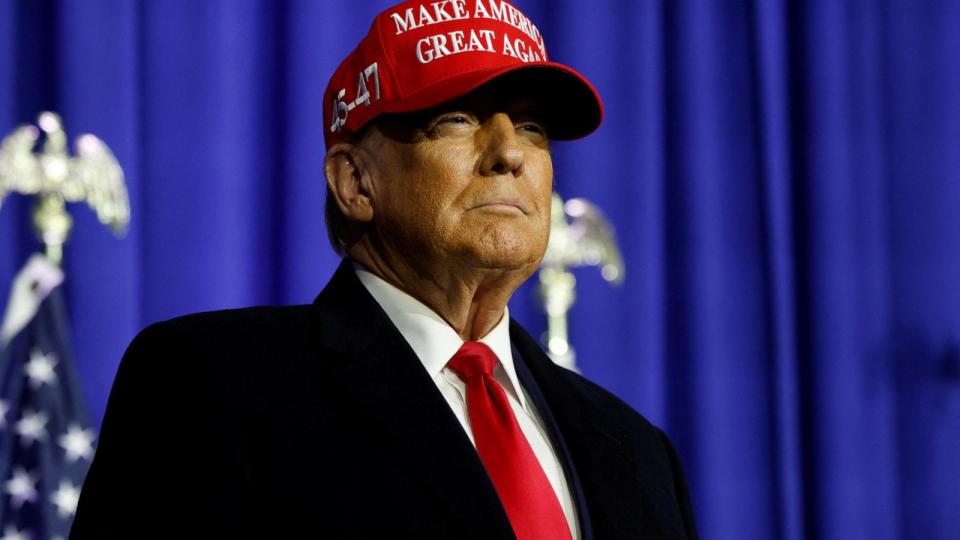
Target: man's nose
(503, 153)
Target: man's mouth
(503, 204)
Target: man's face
(466, 184)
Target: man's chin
(522, 264)
(510, 253)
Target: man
(403, 403)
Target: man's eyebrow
(529, 111)
(482, 106)
(533, 110)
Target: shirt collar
(431, 338)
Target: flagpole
(53, 224)
(580, 235)
(46, 439)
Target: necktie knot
(473, 360)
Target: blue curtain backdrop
(784, 178)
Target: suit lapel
(619, 503)
(391, 386)
(557, 441)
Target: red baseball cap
(422, 53)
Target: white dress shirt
(435, 342)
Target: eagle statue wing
(19, 168)
(96, 176)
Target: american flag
(46, 442)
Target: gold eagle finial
(93, 176)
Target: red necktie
(529, 500)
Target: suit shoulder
(608, 401)
(227, 339)
(231, 325)
(592, 395)
(259, 318)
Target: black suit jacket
(319, 421)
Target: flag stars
(32, 427)
(77, 442)
(13, 533)
(65, 498)
(4, 408)
(22, 487)
(40, 368)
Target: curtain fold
(768, 23)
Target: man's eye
(531, 127)
(449, 121)
(532, 130)
(456, 119)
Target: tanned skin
(450, 205)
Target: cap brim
(570, 105)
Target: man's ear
(344, 169)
